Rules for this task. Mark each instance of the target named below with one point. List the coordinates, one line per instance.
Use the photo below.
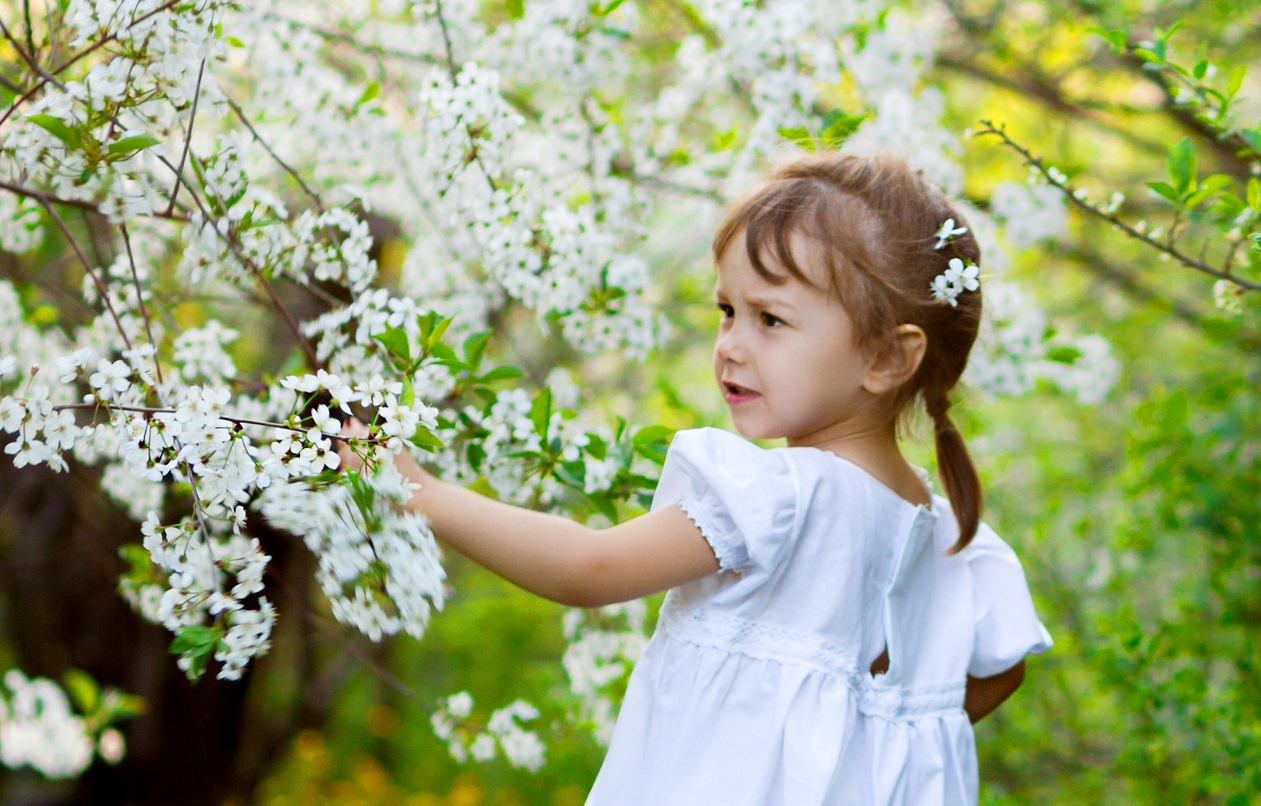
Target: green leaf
(652, 434)
(1116, 38)
(1200, 69)
(838, 126)
(799, 136)
(598, 10)
(516, 9)
(500, 374)
(426, 440)
(476, 455)
(121, 149)
(1235, 82)
(369, 92)
(123, 706)
(1253, 138)
(435, 335)
(724, 140)
(1166, 190)
(571, 473)
(234, 42)
(395, 340)
(541, 412)
(83, 690)
(652, 441)
(474, 348)
(603, 503)
(1063, 354)
(1254, 193)
(596, 447)
(57, 128)
(409, 392)
(1182, 166)
(196, 642)
(1208, 188)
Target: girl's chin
(751, 427)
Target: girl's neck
(872, 447)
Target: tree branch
(1067, 190)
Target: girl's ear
(895, 363)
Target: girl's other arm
(984, 694)
(555, 557)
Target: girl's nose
(728, 346)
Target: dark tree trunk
(196, 743)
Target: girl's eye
(727, 310)
(771, 320)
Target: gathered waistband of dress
(710, 628)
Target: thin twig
(100, 286)
(48, 198)
(188, 140)
(346, 39)
(315, 197)
(1167, 248)
(144, 312)
(446, 39)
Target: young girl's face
(785, 357)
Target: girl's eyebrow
(769, 302)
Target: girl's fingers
(351, 429)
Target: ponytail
(954, 466)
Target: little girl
(831, 626)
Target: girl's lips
(735, 395)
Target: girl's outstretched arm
(555, 557)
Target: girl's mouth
(736, 394)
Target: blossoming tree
(388, 192)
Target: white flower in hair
(956, 279)
(948, 231)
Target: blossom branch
(91, 207)
(95, 46)
(150, 410)
(1167, 247)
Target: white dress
(754, 689)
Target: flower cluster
(603, 646)
(38, 728)
(503, 732)
(956, 279)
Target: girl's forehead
(737, 275)
(808, 253)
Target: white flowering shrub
(244, 153)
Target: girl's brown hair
(877, 220)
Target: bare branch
(315, 197)
(188, 140)
(96, 280)
(92, 207)
(144, 311)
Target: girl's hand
(351, 429)
(403, 461)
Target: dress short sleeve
(1007, 628)
(741, 497)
